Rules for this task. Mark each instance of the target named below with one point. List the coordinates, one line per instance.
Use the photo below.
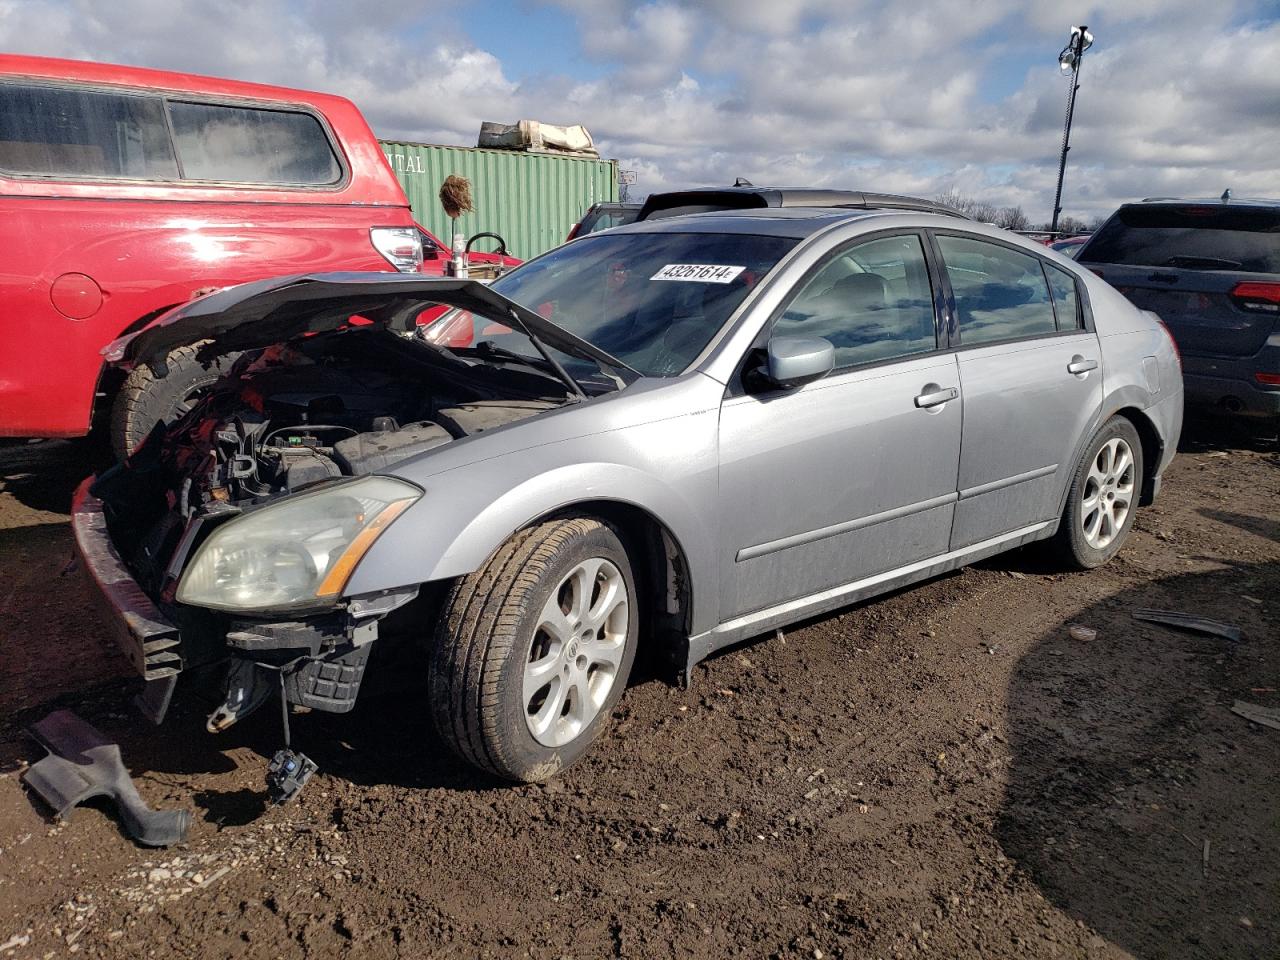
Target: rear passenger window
(246, 145)
(1066, 302)
(873, 302)
(58, 132)
(1001, 294)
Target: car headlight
(297, 552)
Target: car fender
(467, 513)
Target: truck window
(248, 145)
(68, 132)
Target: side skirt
(762, 621)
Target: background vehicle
(1069, 246)
(678, 203)
(1211, 270)
(126, 191)
(602, 216)
(436, 254)
(608, 463)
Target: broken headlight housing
(295, 553)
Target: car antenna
(743, 182)
(1226, 195)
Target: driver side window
(873, 301)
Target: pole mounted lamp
(1069, 63)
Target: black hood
(264, 312)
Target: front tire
(1103, 498)
(146, 399)
(533, 650)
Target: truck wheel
(146, 399)
(1103, 497)
(533, 650)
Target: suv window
(57, 131)
(1194, 236)
(60, 132)
(248, 145)
(873, 302)
(1001, 294)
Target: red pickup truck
(125, 191)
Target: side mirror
(791, 362)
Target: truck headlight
(296, 552)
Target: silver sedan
(676, 434)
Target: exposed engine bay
(341, 404)
(307, 412)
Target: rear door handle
(935, 395)
(1079, 365)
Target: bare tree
(970, 207)
(1012, 218)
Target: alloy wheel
(575, 652)
(1108, 493)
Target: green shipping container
(531, 199)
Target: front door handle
(935, 395)
(1079, 365)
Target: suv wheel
(146, 399)
(1103, 496)
(534, 649)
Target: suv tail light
(1259, 297)
(1172, 342)
(400, 246)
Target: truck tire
(1103, 498)
(146, 399)
(533, 650)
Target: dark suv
(679, 203)
(1211, 270)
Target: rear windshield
(1200, 237)
(607, 218)
(81, 132)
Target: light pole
(1069, 62)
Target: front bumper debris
(82, 764)
(148, 638)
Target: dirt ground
(942, 772)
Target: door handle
(1079, 365)
(935, 395)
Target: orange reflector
(340, 572)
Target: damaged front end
(228, 537)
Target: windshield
(652, 300)
(1196, 237)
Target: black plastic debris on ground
(83, 764)
(1187, 621)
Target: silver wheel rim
(1108, 493)
(575, 652)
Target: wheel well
(1152, 450)
(662, 576)
(111, 378)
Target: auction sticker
(698, 272)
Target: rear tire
(533, 650)
(146, 399)
(1103, 498)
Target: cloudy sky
(1178, 97)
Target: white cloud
(1178, 96)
